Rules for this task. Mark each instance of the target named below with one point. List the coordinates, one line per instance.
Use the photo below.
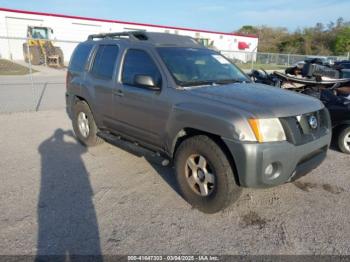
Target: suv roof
(157, 39)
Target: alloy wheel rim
(83, 124)
(199, 175)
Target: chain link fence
(33, 71)
(272, 61)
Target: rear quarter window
(79, 58)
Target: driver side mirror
(146, 81)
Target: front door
(134, 105)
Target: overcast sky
(218, 15)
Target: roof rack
(133, 35)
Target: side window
(138, 62)
(80, 57)
(104, 62)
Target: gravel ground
(56, 197)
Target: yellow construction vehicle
(41, 49)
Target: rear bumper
(290, 161)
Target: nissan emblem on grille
(313, 122)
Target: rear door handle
(118, 92)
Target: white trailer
(69, 30)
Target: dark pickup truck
(191, 105)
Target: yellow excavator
(41, 49)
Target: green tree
(330, 39)
(342, 41)
(248, 29)
(269, 38)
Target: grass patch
(261, 66)
(8, 67)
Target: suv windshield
(191, 67)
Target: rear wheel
(344, 140)
(84, 125)
(59, 52)
(204, 175)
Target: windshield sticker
(221, 59)
(200, 62)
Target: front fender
(215, 120)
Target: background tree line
(330, 39)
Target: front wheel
(36, 57)
(84, 125)
(344, 140)
(204, 175)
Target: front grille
(299, 131)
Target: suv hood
(258, 99)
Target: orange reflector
(254, 124)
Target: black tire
(36, 57)
(225, 190)
(343, 137)
(59, 52)
(91, 139)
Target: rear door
(101, 81)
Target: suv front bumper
(289, 161)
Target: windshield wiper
(197, 83)
(210, 82)
(227, 81)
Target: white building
(69, 30)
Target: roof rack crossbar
(134, 35)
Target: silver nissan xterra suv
(190, 104)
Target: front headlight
(267, 130)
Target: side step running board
(134, 148)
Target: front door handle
(118, 92)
